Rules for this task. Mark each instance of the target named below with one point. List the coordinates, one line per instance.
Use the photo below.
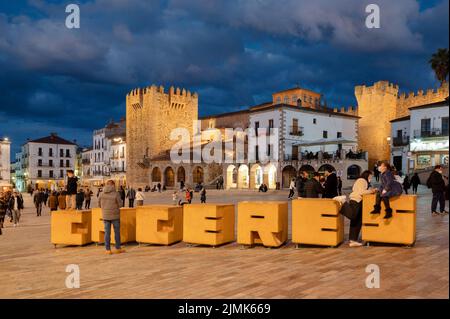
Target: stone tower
(151, 115)
(377, 106)
(381, 103)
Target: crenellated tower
(151, 116)
(378, 105)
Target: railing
(434, 132)
(118, 170)
(289, 157)
(296, 131)
(400, 141)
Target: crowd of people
(306, 185)
(391, 184)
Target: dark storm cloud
(234, 53)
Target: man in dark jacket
(38, 200)
(437, 184)
(300, 183)
(110, 203)
(131, 195)
(80, 199)
(415, 182)
(331, 184)
(313, 187)
(72, 186)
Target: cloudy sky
(234, 53)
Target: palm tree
(439, 63)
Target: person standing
(291, 189)
(131, 195)
(62, 200)
(376, 172)
(415, 182)
(38, 200)
(339, 185)
(406, 184)
(203, 195)
(53, 202)
(437, 184)
(79, 199)
(122, 195)
(140, 197)
(110, 203)
(3, 207)
(331, 184)
(300, 183)
(360, 188)
(72, 190)
(88, 196)
(313, 187)
(159, 187)
(46, 194)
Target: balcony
(434, 132)
(401, 141)
(118, 170)
(296, 131)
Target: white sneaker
(355, 244)
(341, 199)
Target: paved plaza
(32, 268)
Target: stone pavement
(31, 268)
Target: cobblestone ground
(32, 268)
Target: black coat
(436, 182)
(300, 186)
(331, 186)
(72, 185)
(415, 180)
(313, 189)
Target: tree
(439, 63)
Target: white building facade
(308, 139)
(44, 162)
(420, 141)
(5, 163)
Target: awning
(324, 142)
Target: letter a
(73, 19)
(373, 19)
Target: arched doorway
(169, 177)
(197, 175)
(289, 173)
(232, 177)
(256, 176)
(243, 178)
(156, 175)
(353, 172)
(271, 176)
(181, 174)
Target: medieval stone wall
(151, 116)
(377, 106)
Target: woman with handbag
(353, 209)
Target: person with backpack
(437, 184)
(415, 182)
(389, 188)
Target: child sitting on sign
(389, 188)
